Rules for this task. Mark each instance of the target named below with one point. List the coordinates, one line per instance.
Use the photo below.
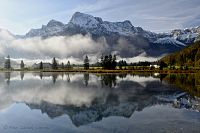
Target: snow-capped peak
(53, 23)
(52, 28)
(89, 22)
(85, 20)
(85, 23)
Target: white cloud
(141, 57)
(64, 48)
(59, 46)
(68, 48)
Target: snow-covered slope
(90, 22)
(170, 41)
(51, 29)
(186, 36)
(85, 20)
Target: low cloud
(64, 48)
(61, 47)
(141, 57)
(5, 39)
(72, 48)
(131, 47)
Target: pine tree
(7, 64)
(102, 61)
(86, 63)
(106, 62)
(68, 65)
(54, 63)
(22, 64)
(62, 65)
(162, 65)
(114, 62)
(122, 63)
(110, 61)
(197, 58)
(41, 65)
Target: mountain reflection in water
(87, 98)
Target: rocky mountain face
(123, 37)
(51, 29)
(138, 39)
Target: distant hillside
(189, 56)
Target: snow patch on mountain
(89, 22)
(123, 28)
(187, 36)
(169, 40)
(52, 28)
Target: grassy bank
(103, 71)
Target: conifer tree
(62, 65)
(7, 64)
(41, 65)
(86, 63)
(68, 65)
(54, 63)
(22, 64)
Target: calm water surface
(99, 103)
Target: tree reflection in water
(108, 80)
(7, 77)
(86, 78)
(68, 78)
(186, 82)
(54, 77)
(22, 75)
(41, 75)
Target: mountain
(186, 36)
(51, 29)
(120, 37)
(189, 56)
(84, 23)
(137, 39)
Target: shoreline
(106, 71)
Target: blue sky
(19, 16)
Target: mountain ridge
(135, 40)
(81, 23)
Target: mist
(72, 48)
(64, 48)
(61, 47)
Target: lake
(99, 103)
